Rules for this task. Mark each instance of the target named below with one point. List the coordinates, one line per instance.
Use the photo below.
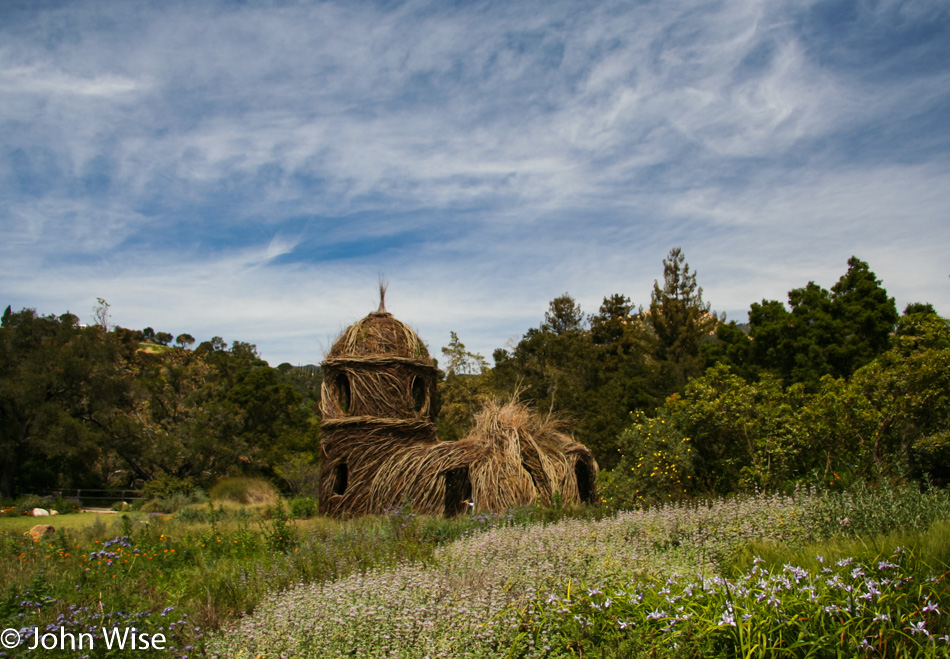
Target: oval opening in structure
(340, 476)
(585, 485)
(343, 392)
(418, 394)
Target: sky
(250, 170)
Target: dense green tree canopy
(87, 406)
(825, 332)
(833, 387)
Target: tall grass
(244, 490)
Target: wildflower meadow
(676, 580)
(806, 574)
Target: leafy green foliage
(592, 373)
(463, 389)
(279, 532)
(739, 430)
(86, 407)
(656, 464)
(891, 419)
(826, 332)
(58, 388)
(303, 507)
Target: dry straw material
(511, 458)
(380, 449)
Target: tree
(101, 313)
(461, 362)
(59, 384)
(866, 317)
(563, 315)
(732, 347)
(590, 379)
(738, 430)
(608, 326)
(274, 422)
(184, 340)
(826, 332)
(463, 389)
(216, 344)
(679, 317)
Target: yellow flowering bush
(656, 464)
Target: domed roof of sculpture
(379, 335)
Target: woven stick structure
(380, 447)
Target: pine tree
(679, 317)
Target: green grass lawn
(74, 522)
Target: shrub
(303, 507)
(191, 514)
(67, 506)
(656, 464)
(301, 475)
(28, 502)
(244, 490)
(166, 485)
(280, 532)
(174, 502)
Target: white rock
(40, 512)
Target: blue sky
(250, 169)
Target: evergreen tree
(563, 315)
(866, 318)
(679, 317)
(592, 379)
(826, 332)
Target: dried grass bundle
(380, 368)
(388, 387)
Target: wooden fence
(91, 497)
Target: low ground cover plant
(889, 606)
(23, 506)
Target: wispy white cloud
(248, 170)
(35, 80)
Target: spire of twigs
(383, 285)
